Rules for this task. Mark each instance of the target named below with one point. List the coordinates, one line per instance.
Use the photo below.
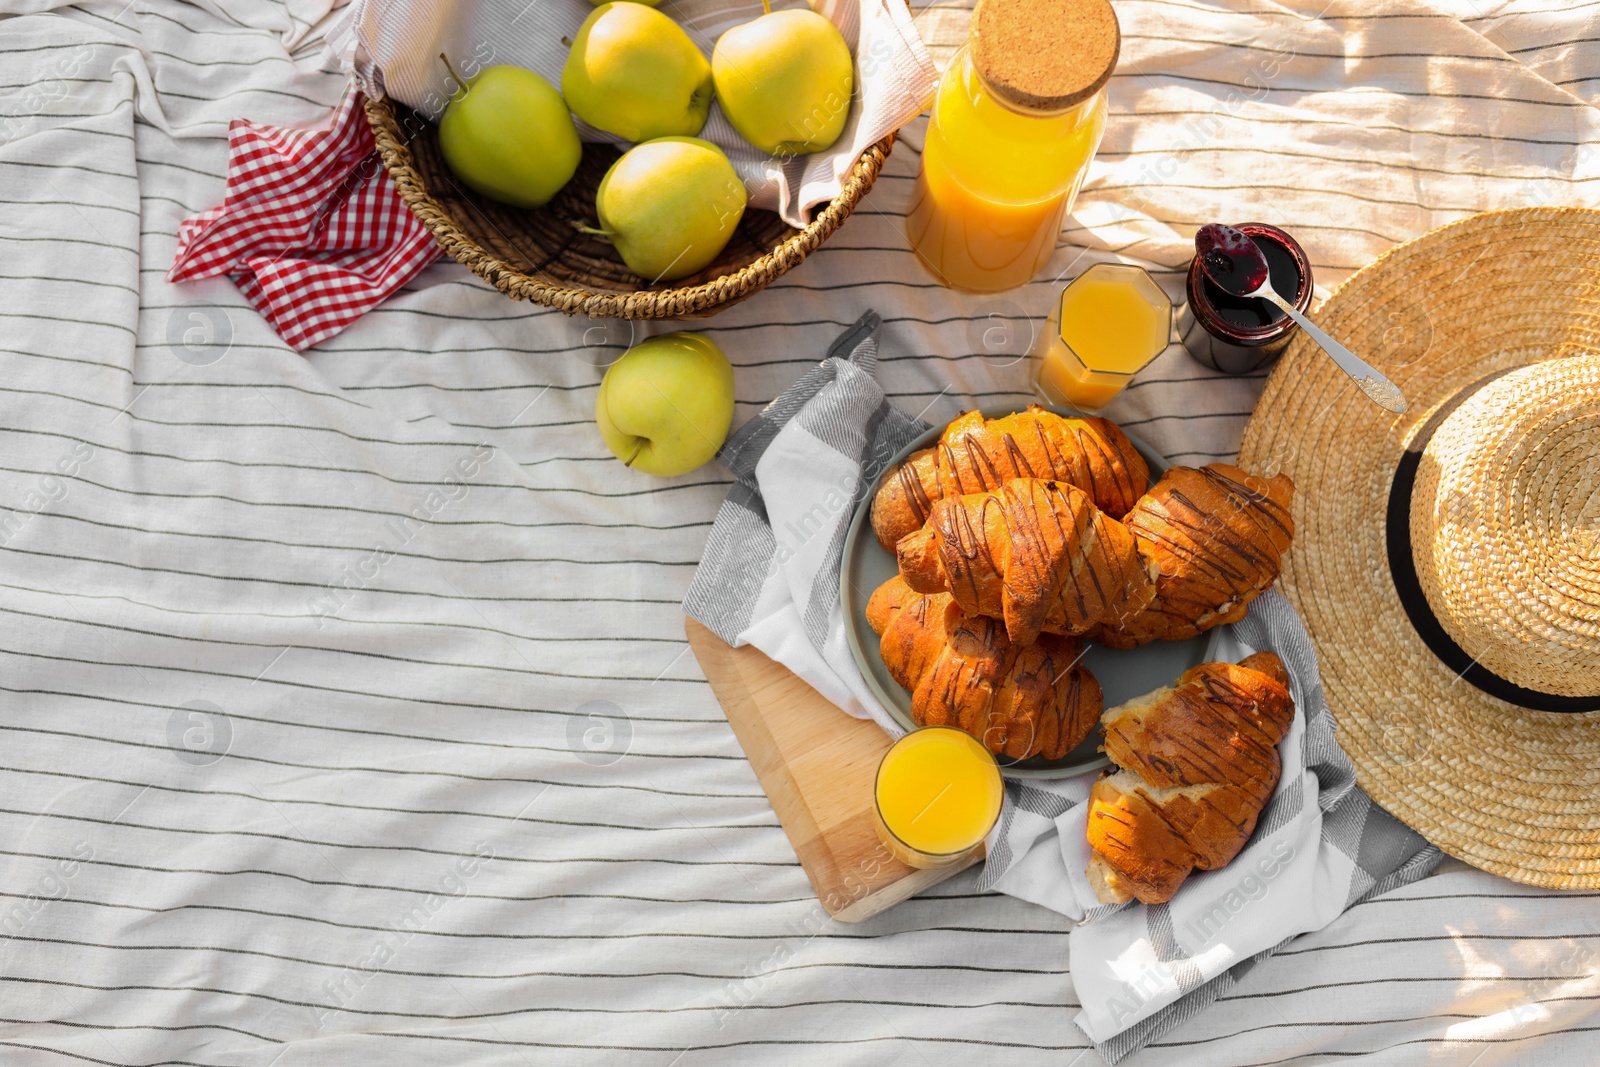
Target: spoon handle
(1368, 379)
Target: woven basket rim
(610, 303)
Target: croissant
(1217, 536)
(975, 454)
(962, 670)
(1197, 764)
(1037, 554)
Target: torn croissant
(1197, 764)
(962, 670)
(975, 454)
(1217, 535)
(1037, 554)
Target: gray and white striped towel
(1321, 845)
(770, 573)
(770, 578)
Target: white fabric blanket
(488, 812)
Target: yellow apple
(669, 206)
(665, 405)
(785, 80)
(633, 72)
(506, 133)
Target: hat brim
(1510, 790)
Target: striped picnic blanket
(347, 712)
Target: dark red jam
(1237, 335)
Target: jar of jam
(1236, 335)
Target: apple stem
(454, 76)
(592, 232)
(629, 461)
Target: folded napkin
(770, 578)
(393, 47)
(311, 228)
(1320, 846)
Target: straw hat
(1447, 561)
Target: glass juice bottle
(1016, 121)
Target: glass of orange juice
(937, 795)
(1110, 322)
(1016, 120)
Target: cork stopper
(1045, 55)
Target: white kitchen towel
(770, 573)
(770, 578)
(1320, 846)
(393, 46)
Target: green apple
(506, 133)
(633, 72)
(665, 406)
(669, 206)
(785, 80)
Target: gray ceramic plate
(1122, 675)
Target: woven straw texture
(1513, 791)
(538, 255)
(1504, 517)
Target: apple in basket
(665, 405)
(669, 206)
(785, 80)
(633, 72)
(506, 133)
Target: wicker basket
(538, 255)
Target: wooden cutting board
(817, 765)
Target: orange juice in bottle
(1016, 121)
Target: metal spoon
(1235, 265)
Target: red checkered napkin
(312, 230)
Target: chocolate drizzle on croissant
(962, 670)
(1037, 554)
(1217, 537)
(975, 454)
(1198, 763)
(904, 496)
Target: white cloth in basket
(393, 47)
